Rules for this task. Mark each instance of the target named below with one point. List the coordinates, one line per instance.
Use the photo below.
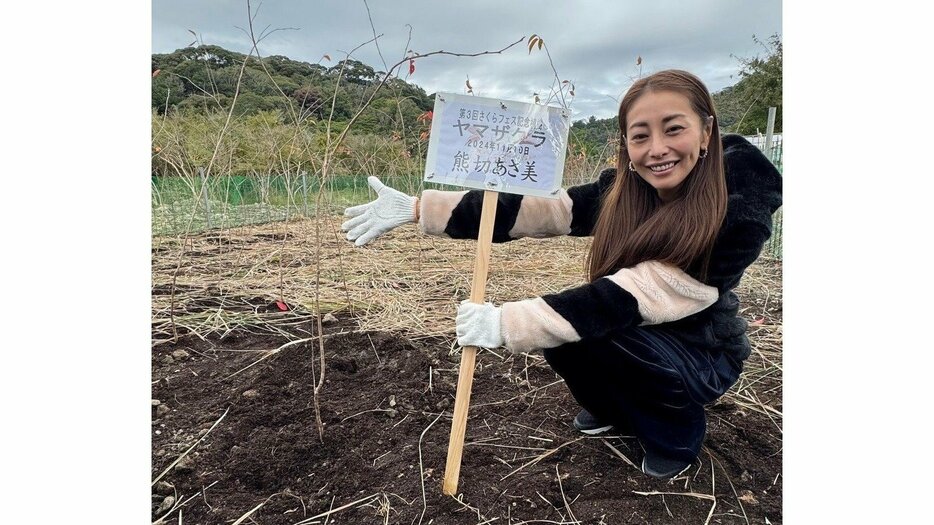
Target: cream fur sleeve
(649, 293)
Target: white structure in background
(759, 140)
(770, 143)
(776, 153)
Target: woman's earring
(631, 168)
(703, 154)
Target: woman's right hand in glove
(391, 209)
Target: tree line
(203, 80)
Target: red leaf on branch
(411, 66)
(425, 116)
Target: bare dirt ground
(234, 438)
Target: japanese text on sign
(492, 144)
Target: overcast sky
(593, 43)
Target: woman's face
(664, 137)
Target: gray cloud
(593, 43)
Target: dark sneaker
(662, 467)
(586, 423)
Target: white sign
(498, 145)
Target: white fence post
(770, 127)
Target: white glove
(479, 325)
(391, 209)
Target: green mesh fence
(195, 204)
(774, 153)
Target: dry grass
(405, 282)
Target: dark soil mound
(380, 395)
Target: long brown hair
(634, 224)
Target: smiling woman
(656, 332)
(671, 198)
(665, 140)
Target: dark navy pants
(645, 379)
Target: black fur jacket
(596, 309)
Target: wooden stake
(469, 353)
